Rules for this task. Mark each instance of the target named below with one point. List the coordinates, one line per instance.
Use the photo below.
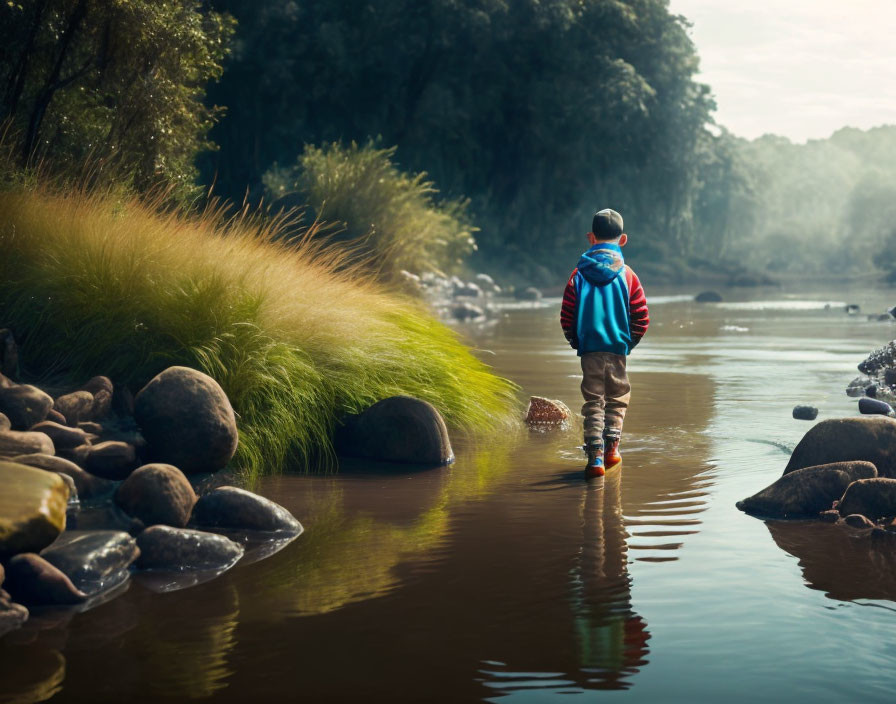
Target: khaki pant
(606, 391)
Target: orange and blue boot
(595, 465)
(611, 449)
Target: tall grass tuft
(392, 218)
(100, 284)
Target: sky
(797, 68)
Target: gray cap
(606, 224)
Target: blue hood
(602, 263)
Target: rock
(486, 282)
(112, 459)
(78, 454)
(9, 355)
(857, 520)
(805, 412)
(56, 417)
(166, 548)
(232, 508)
(880, 317)
(88, 485)
(889, 377)
(157, 493)
(469, 290)
(187, 420)
(89, 426)
(829, 516)
(466, 311)
(4, 423)
(33, 581)
(12, 616)
(32, 508)
(530, 293)
(806, 492)
(871, 406)
(102, 390)
(76, 406)
(73, 500)
(857, 386)
(708, 297)
(547, 411)
(93, 560)
(852, 308)
(15, 442)
(879, 359)
(397, 429)
(24, 405)
(61, 435)
(867, 438)
(875, 498)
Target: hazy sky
(799, 68)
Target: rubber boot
(611, 448)
(595, 466)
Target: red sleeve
(568, 310)
(637, 307)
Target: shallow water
(508, 577)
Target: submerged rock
(180, 549)
(807, 492)
(93, 560)
(866, 438)
(32, 508)
(232, 508)
(708, 297)
(805, 412)
(397, 429)
(24, 405)
(875, 498)
(76, 406)
(157, 493)
(62, 435)
(23, 442)
(187, 420)
(545, 411)
(33, 581)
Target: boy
(604, 315)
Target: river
(507, 577)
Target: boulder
(15, 442)
(875, 498)
(180, 549)
(187, 420)
(397, 429)
(866, 438)
(466, 311)
(76, 406)
(112, 459)
(88, 485)
(881, 358)
(33, 581)
(9, 355)
(871, 406)
(157, 493)
(32, 508)
(530, 293)
(93, 560)
(62, 435)
(4, 423)
(857, 520)
(102, 390)
(237, 509)
(545, 411)
(805, 412)
(24, 405)
(708, 297)
(807, 492)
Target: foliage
(116, 83)
(92, 284)
(390, 217)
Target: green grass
(99, 284)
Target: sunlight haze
(799, 68)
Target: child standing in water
(604, 315)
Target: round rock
(157, 493)
(112, 459)
(865, 438)
(875, 498)
(76, 406)
(708, 297)
(61, 435)
(805, 412)
(33, 581)
(187, 420)
(180, 549)
(16, 442)
(24, 405)
(233, 508)
(871, 407)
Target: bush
(94, 284)
(391, 218)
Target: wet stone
(805, 412)
(93, 560)
(857, 520)
(871, 406)
(12, 616)
(61, 435)
(868, 438)
(76, 406)
(708, 297)
(181, 549)
(33, 581)
(875, 498)
(24, 405)
(112, 459)
(545, 411)
(237, 509)
(157, 493)
(88, 485)
(829, 516)
(32, 508)
(23, 442)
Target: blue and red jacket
(604, 306)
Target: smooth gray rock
(397, 429)
(180, 549)
(871, 406)
(187, 420)
(805, 493)
(21, 442)
(63, 436)
(24, 405)
(866, 438)
(805, 412)
(875, 498)
(157, 493)
(112, 459)
(88, 485)
(233, 508)
(93, 560)
(33, 581)
(76, 406)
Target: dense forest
(506, 122)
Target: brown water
(508, 577)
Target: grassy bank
(93, 284)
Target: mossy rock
(32, 508)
